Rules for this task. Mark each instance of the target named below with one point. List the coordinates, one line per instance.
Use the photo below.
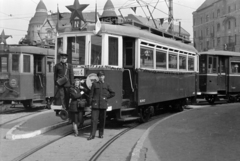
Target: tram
(147, 68)
(219, 75)
(26, 75)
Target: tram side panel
(160, 87)
(208, 84)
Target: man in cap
(100, 92)
(63, 69)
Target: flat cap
(63, 54)
(100, 73)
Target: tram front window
(76, 50)
(96, 55)
(3, 63)
(15, 63)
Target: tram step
(127, 109)
(127, 119)
(39, 105)
(125, 102)
(38, 100)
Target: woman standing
(77, 103)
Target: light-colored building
(216, 25)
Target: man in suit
(62, 69)
(100, 92)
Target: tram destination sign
(78, 71)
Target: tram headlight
(13, 82)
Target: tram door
(222, 74)
(39, 79)
(129, 65)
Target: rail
(130, 79)
(40, 80)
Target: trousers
(98, 114)
(64, 96)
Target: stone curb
(135, 156)
(12, 136)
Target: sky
(16, 14)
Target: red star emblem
(3, 37)
(76, 10)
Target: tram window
(15, 63)
(26, 63)
(235, 67)
(146, 58)
(222, 65)
(50, 64)
(113, 51)
(212, 64)
(190, 63)
(80, 51)
(202, 63)
(96, 54)
(59, 47)
(182, 62)
(161, 61)
(4, 64)
(172, 59)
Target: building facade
(216, 25)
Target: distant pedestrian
(63, 79)
(100, 92)
(77, 104)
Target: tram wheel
(27, 104)
(145, 114)
(211, 99)
(63, 115)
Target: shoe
(76, 134)
(101, 136)
(90, 137)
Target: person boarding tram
(100, 92)
(63, 79)
(77, 103)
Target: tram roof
(220, 53)
(132, 31)
(31, 50)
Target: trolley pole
(170, 16)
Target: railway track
(96, 154)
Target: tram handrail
(130, 79)
(40, 80)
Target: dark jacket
(59, 72)
(75, 94)
(99, 94)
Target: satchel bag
(82, 103)
(64, 79)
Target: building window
(218, 27)
(229, 24)
(207, 17)
(218, 13)
(229, 9)
(207, 31)
(201, 20)
(218, 41)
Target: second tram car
(26, 75)
(147, 68)
(219, 75)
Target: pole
(170, 16)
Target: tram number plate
(78, 72)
